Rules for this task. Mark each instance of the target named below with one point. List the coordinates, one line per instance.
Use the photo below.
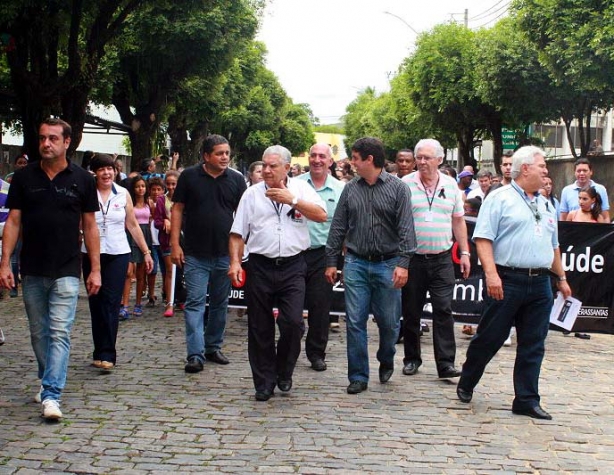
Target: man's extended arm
(10, 236)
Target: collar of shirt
(307, 177)
(578, 187)
(384, 176)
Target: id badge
(279, 229)
(538, 230)
(429, 216)
(103, 231)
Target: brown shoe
(468, 330)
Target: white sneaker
(51, 410)
(334, 327)
(508, 342)
(38, 396)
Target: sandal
(169, 312)
(124, 313)
(138, 310)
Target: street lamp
(406, 24)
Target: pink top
(142, 214)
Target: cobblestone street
(148, 416)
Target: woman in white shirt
(116, 214)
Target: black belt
(319, 248)
(373, 257)
(276, 261)
(432, 256)
(528, 271)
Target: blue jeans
(51, 305)
(526, 304)
(205, 333)
(368, 287)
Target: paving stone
(149, 417)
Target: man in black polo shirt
(205, 199)
(49, 199)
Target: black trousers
(104, 306)
(270, 284)
(435, 275)
(318, 300)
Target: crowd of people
(288, 234)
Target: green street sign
(509, 139)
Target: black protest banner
(588, 259)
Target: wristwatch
(465, 253)
(294, 201)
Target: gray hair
(430, 143)
(524, 156)
(328, 147)
(280, 150)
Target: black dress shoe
(284, 384)
(449, 372)
(410, 368)
(318, 364)
(535, 412)
(464, 395)
(385, 373)
(583, 336)
(356, 387)
(264, 395)
(194, 365)
(217, 357)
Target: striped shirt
(433, 222)
(373, 220)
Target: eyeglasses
(424, 158)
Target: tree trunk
(567, 121)
(179, 137)
(497, 139)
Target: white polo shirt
(111, 221)
(270, 231)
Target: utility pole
(465, 17)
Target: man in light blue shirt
(318, 292)
(569, 196)
(517, 242)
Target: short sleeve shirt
(519, 238)
(569, 197)
(433, 222)
(209, 204)
(50, 216)
(271, 230)
(330, 194)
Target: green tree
(575, 40)
(58, 47)
(167, 43)
(247, 105)
(359, 120)
(441, 75)
(510, 78)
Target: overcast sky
(325, 51)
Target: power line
(503, 8)
(493, 20)
(477, 17)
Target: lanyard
(277, 206)
(103, 211)
(432, 198)
(532, 205)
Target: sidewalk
(148, 416)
